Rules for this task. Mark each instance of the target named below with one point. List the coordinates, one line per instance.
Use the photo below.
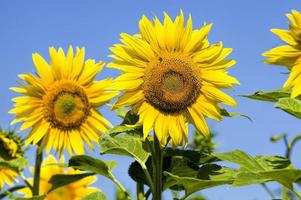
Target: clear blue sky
(32, 26)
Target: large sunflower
(72, 191)
(60, 103)
(289, 55)
(171, 74)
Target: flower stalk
(37, 171)
(157, 163)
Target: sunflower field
(125, 100)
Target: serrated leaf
(271, 96)
(60, 180)
(88, 163)
(95, 196)
(194, 178)
(261, 169)
(225, 113)
(125, 145)
(290, 105)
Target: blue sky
(33, 26)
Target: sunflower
(72, 191)
(10, 145)
(289, 55)
(60, 103)
(10, 148)
(7, 175)
(171, 75)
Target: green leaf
(60, 180)
(192, 155)
(103, 168)
(194, 178)
(128, 124)
(271, 96)
(88, 163)
(16, 165)
(121, 129)
(261, 169)
(125, 145)
(290, 105)
(130, 118)
(95, 196)
(225, 113)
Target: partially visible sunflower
(289, 55)
(171, 74)
(10, 148)
(72, 191)
(60, 103)
(8, 176)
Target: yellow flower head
(171, 75)
(60, 103)
(289, 55)
(72, 191)
(10, 145)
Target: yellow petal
(216, 94)
(199, 121)
(42, 68)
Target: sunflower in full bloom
(289, 55)
(172, 75)
(60, 103)
(72, 191)
(10, 148)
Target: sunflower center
(66, 105)
(171, 83)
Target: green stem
(140, 191)
(37, 171)
(157, 162)
(296, 193)
(291, 145)
(148, 192)
(289, 148)
(10, 190)
(267, 189)
(284, 195)
(26, 182)
(118, 184)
